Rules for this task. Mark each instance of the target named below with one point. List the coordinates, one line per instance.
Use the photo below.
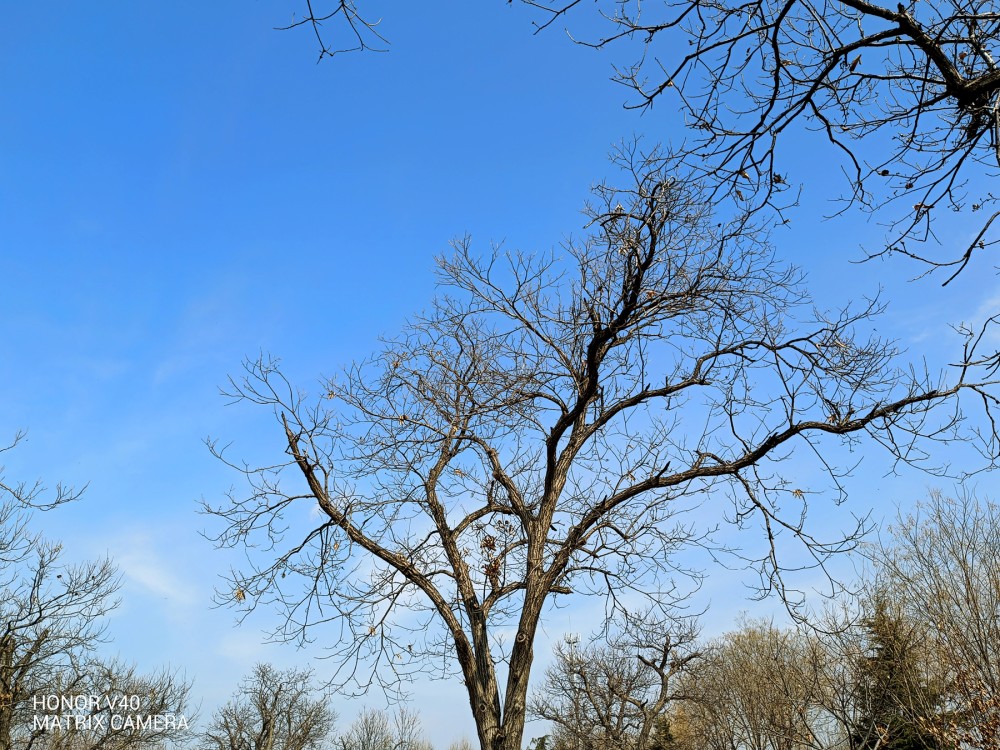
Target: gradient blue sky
(182, 186)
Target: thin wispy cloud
(148, 569)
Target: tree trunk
(7, 690)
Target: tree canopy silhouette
(547, 429)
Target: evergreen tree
(663, 737)
(897, 700)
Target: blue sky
(181, 186)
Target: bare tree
(51, 623)
(50, 620)
(941, 565)
(272, 710)
(546, 429)
(586, 694)
(868, 682)
(47, 610)
(845, 696)
(376, 730)
(371, 730)
(756, 690)
(131, 709)
(408, 732)
(610, 697)
(907, 93)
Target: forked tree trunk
(505, 731)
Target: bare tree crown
(273, 709)
(543, 429)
